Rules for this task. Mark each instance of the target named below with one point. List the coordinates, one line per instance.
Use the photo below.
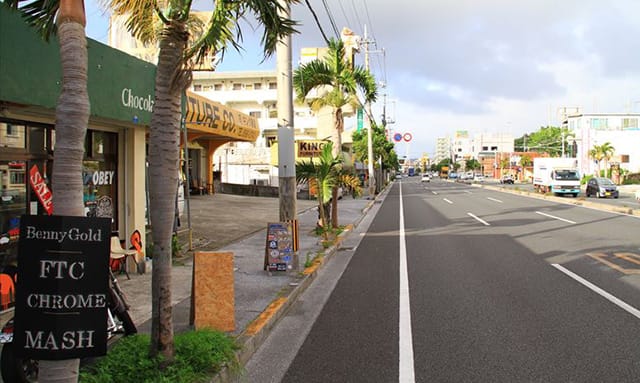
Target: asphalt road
(469, 285)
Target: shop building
(121, 93)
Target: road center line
(434, 192)
(447, 201)
(479, 219)
(494, 199)
(618, 302)
(554, 217)
(406, 370)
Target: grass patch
(199, 355)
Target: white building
(621, 130)
(462, 147)
(443, 149)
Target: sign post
(62, 289)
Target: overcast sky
(475, 65)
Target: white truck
(556, 175)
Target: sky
(483, 66)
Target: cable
(330, 15)
(317, 22)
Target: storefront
(121, 96)
(121, 93)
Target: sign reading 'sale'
(62, 289)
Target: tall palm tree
(601, 153)
(183, 41)
(337, 82)
(72, 118)
(607, 152)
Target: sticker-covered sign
(279, 246)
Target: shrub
(199, 355)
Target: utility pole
(370, 159)
(286, 132)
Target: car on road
(478, 178)
(425, 178)
(601, 187)
(506, 179)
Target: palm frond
(275, 26)
(143, 18)
(40, 14)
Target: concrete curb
(579, 201)
(254, 335)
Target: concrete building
(621, 130)
(443, 149)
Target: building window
(600, 124)
(217, 87)
(237, 86)
(257, 86)
(255, 114)
(624, 158)
(12, 136)
(197, 88)
(273, 85)
(629, 124)
(270, 140)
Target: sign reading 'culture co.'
(61, 296)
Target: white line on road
(554, 217)
(494, 199)
(479, 219)
(406, 370)
(447, 201)
(434, 192)
(618, 302)
(467, 191)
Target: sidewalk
(237, 224)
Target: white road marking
(618, 302)
(479, 219)
(494, 199)
(554, 217)
(406, 370)
(467, 191)
(434, 192)
(447, 201)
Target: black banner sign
(62, 288)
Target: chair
(121, 255)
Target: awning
(211, 120)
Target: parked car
(601, 188)
(506, 179)
(478, 178)
(425, 178)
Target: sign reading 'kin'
(62, 291)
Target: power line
(317, 22)
(330, 15)
(344, 14)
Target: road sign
(360, 116)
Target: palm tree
(150, 21)
(182, 41)
(72, 118)
(320, 175)
(601, 153)
(607, 152)
(338, 82)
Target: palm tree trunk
(72, 118)
(337, 152)
(164, 155)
